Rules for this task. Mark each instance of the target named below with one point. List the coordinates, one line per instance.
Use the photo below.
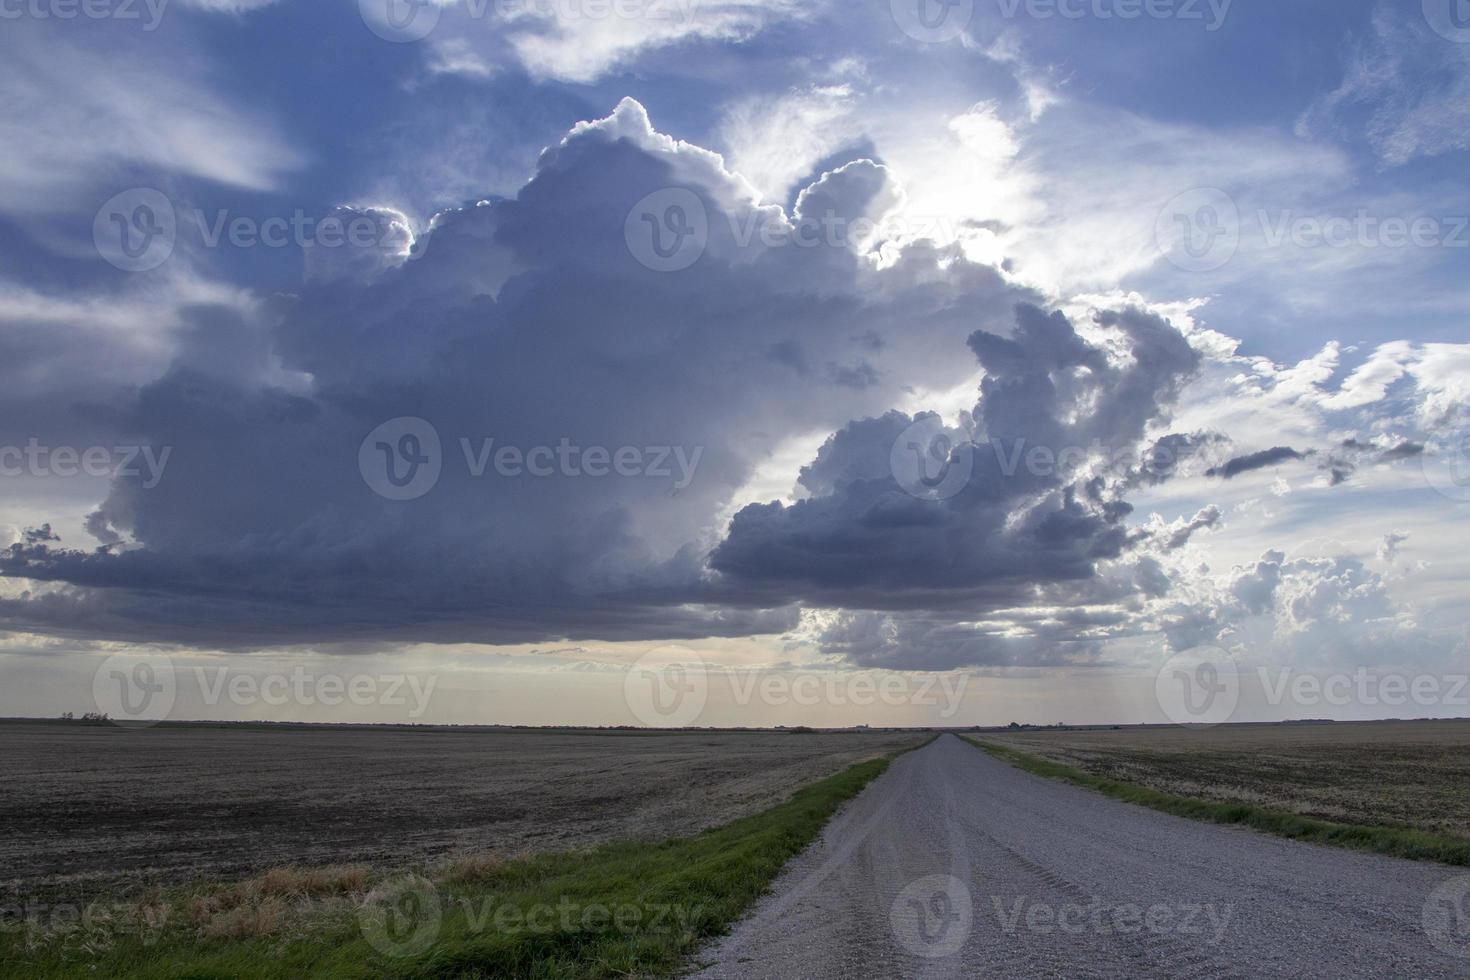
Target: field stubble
(1396, 774)
(98, 809)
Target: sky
(734, 362)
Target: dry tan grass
(471, 866)
(202, 909)
(258, 906)
(263, 918)
(299, 882)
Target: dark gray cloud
(1351, 453)
(1206, 518)
(1163, 460)
(530, 322)
(920, 641)
(1237, 465)
(862, 540)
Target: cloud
(541, 321)
(1405, 91)
(1179, 535)
(1389, 549)
(1005, 526)
(79, 112)
(532, 323)
(1254, 461)
(571, 42)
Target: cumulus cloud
(1005, 527)
(530, 322)
(544, 322)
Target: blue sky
(1237, 230)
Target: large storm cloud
(656, 388)
(530, 322)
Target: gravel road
(953, 864)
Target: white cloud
(76, 116)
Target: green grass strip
(626, 909)
(1400, 842)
